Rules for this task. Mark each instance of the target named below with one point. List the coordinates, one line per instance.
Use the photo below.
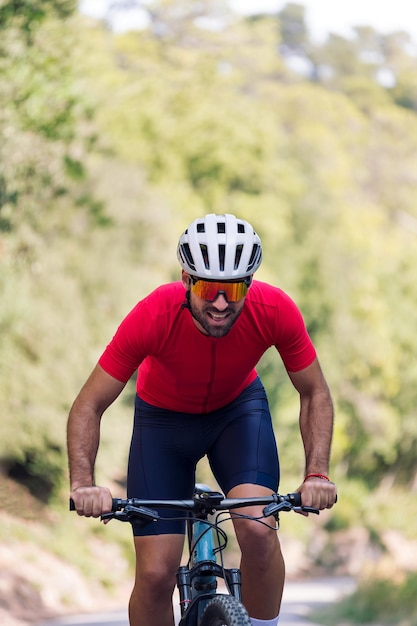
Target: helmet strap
(186, 304)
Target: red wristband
(323, 476)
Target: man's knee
(155, 577)
(258, 541)
(157, 560)
(252, 531)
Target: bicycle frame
(197, 582)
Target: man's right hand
(92, 501)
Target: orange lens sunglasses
(210, 289)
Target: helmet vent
(222, 254)
(221, 227)
(239, 250)
(186, 252)
(240, 228)
(201, 228)
(254, 257)
(204, 254)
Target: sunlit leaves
(210, 121)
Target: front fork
(197, 585)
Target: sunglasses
(233, 291)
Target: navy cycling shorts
(166, 446)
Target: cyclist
(195, 344)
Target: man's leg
(262, 564)
(157, 560)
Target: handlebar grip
(295, 499)
(115, 504)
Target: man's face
(214, 318)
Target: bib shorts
(166, 446)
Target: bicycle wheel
(225, 611)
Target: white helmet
(220, 247)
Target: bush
(377, 600)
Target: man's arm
(83, 437)
(316, 427)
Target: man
(195, 344)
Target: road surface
(300, 598)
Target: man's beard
(211, 329)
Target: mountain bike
(200, 602)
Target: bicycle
(200, 602)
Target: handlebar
(204, 503)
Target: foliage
(28, 14)
(111, 144)
(44, 199)
(377, 600)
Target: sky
(322, 16)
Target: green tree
(293, 30)
(44, 198)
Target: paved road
(300, 598)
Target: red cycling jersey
(181, 369)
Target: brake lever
(275, 507)
(121, 516)
(130, 513)
(307, 509)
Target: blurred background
(116, 132)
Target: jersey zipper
(212, 369)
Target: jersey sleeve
(130, 345)
(122, 355)
(142, 332)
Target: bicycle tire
(225, 611)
